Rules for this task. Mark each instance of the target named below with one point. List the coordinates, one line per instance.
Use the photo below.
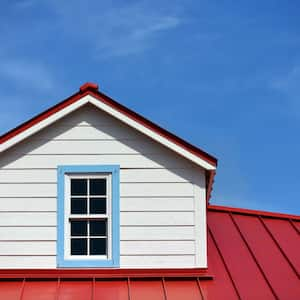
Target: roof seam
(200, 289)
(22, 289)
(224, 263)
(129, 288)
(253, 256)
(164, 288)
(278, 245)
(293, 225)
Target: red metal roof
(251, 255)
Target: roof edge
(88, 89)
(243, 211)
(104, 273)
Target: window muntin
(88, 205)
(88, 229)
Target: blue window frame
(88, 226)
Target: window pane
(78, 228)
(78, 246)
(78, 205)
(97, 246)
(98, 228)
(97, 205)
(98, 186)
(78, 187)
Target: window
(88, 216)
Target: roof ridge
(243, 211)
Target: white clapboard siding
(125, 161)
(28, 204)
(27, 248)
(89, 147)
(157, 218)
(48, 190)
(164, 233)
(28, 233)
(126, 175)
(86, 116)
(159, 261)
(156, 189)
(102, 132)
(28, 262)
(157, 204)
(156, 247)
(27, 219)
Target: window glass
(78, 205)
(97, 205)
(98, 187)
(98, 228)
(78, 187)
(97, 246)
(78, 246)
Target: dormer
(91, 184)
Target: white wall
(162, 201)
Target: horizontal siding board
(28, 204)
(164, 233)
(28, 233)
(156, 189)
(28, 262)
(88, 132)
(126, 190)
(157, 247)
(157, 204)
(27, 248)
(27, 219)
(125, 161)
(157, 261)
(157, 218)
(88, 147)
(126, 175)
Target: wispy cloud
(288, 85)
(32, 74)
(116, 31)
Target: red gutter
(243, 211)
(92, 89)
(105, 273)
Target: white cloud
(28, 73)
(115, 31)
(289, 86)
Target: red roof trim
(243, 211)
(105, 273)
(90, 89)
(40, 117)
(210, 181)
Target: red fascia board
(210, 175)
(243, 211)
(40, 117)
(104, 273)
(112, 103)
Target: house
(97, 202)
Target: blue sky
(224, 75)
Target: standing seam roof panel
(238, 258)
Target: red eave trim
(40, 117)
(243, 211)
(90, 89)
(104, 273)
